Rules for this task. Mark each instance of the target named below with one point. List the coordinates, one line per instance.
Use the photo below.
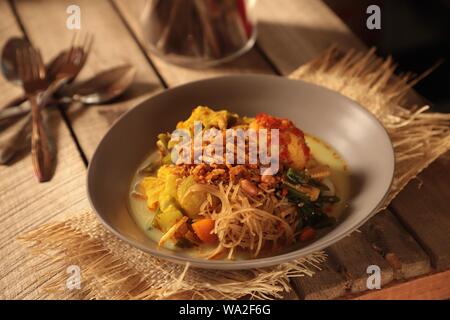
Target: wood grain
(326, 284)
(423, 207)
(396, 245)
(99, 18)
(354, 255)
(24, 203)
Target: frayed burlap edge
(112, 269)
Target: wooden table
(410, 241)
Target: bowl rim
(250, 263)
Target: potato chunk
(153, 187)
(191, 202)
(164, 220)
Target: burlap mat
(111, 269)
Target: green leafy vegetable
(311, 212)
(297, 177)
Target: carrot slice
(307, 234)
(203, 229)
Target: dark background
(415, 32)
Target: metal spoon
(9, 62)
(99, 89)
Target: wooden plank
(252, 62)
(423, 207)
(397, 246)
(24, 203)
(100, 18)
(431, 287)
(354, 255)
(326, 284)
(292, 32)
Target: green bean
(310, 213)
(297, 177)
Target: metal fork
(63, 69)
(31, 70)
(67, 68)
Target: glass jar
(199, 33)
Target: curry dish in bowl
(223, 202)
